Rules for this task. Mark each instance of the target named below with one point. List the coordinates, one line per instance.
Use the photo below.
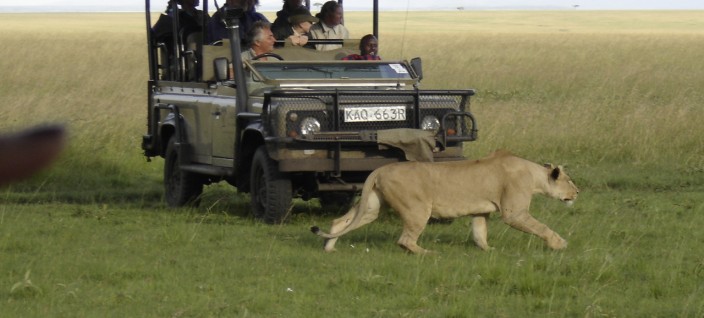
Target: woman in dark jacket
(285, 12)
(297, 27)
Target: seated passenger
(189, 19)
(329, 27)
(285, 12)
(368, 47)
(216, 25)
(189, 16)
(300, 22)
(261, 41)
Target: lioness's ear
(555, 173)
(548, 165)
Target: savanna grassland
(616, 96)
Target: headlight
(431, 123)
(309, 125)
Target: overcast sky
(272, 5)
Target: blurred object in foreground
(24, 153)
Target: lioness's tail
(360, 209)
(316, 230)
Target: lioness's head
(560, 185)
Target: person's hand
(303, 39)
(299, 40)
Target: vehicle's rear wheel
(180, 187)
(270, 189)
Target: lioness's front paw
(557, 243)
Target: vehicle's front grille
(288, 111)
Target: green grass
(614, 95)
(630, 254)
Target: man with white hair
(261, 41)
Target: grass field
(617, 96)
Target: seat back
(210, 53)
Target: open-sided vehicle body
(301, 124)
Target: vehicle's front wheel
(180, 187)
(270, 189)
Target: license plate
(378, 113)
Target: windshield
(336, 70)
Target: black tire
(270, 189)
(181, 188)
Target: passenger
(216, 25)
(282, 15)
(261, 41)
(189, 19)
(368, 50)
(189, 16)
(297, 28)
(330, 26)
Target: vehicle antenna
(405, 24)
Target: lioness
(418, 190)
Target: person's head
(301, 18)
(188, 4)
(368, 45)
(261, 38)
(331, 13)
(244, 4)
(292, 4)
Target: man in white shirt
(330, 26)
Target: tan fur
(418, 190)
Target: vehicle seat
(210, 53)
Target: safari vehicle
(305, 125)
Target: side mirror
(417, 66)
(222, 69)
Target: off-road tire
(181, 188)
(270, 189)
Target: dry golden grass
(561, 85)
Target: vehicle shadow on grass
(225, 199)
(148, 197)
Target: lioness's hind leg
(479, 231)
(330, 244)
(339, 224)
(414, 223)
